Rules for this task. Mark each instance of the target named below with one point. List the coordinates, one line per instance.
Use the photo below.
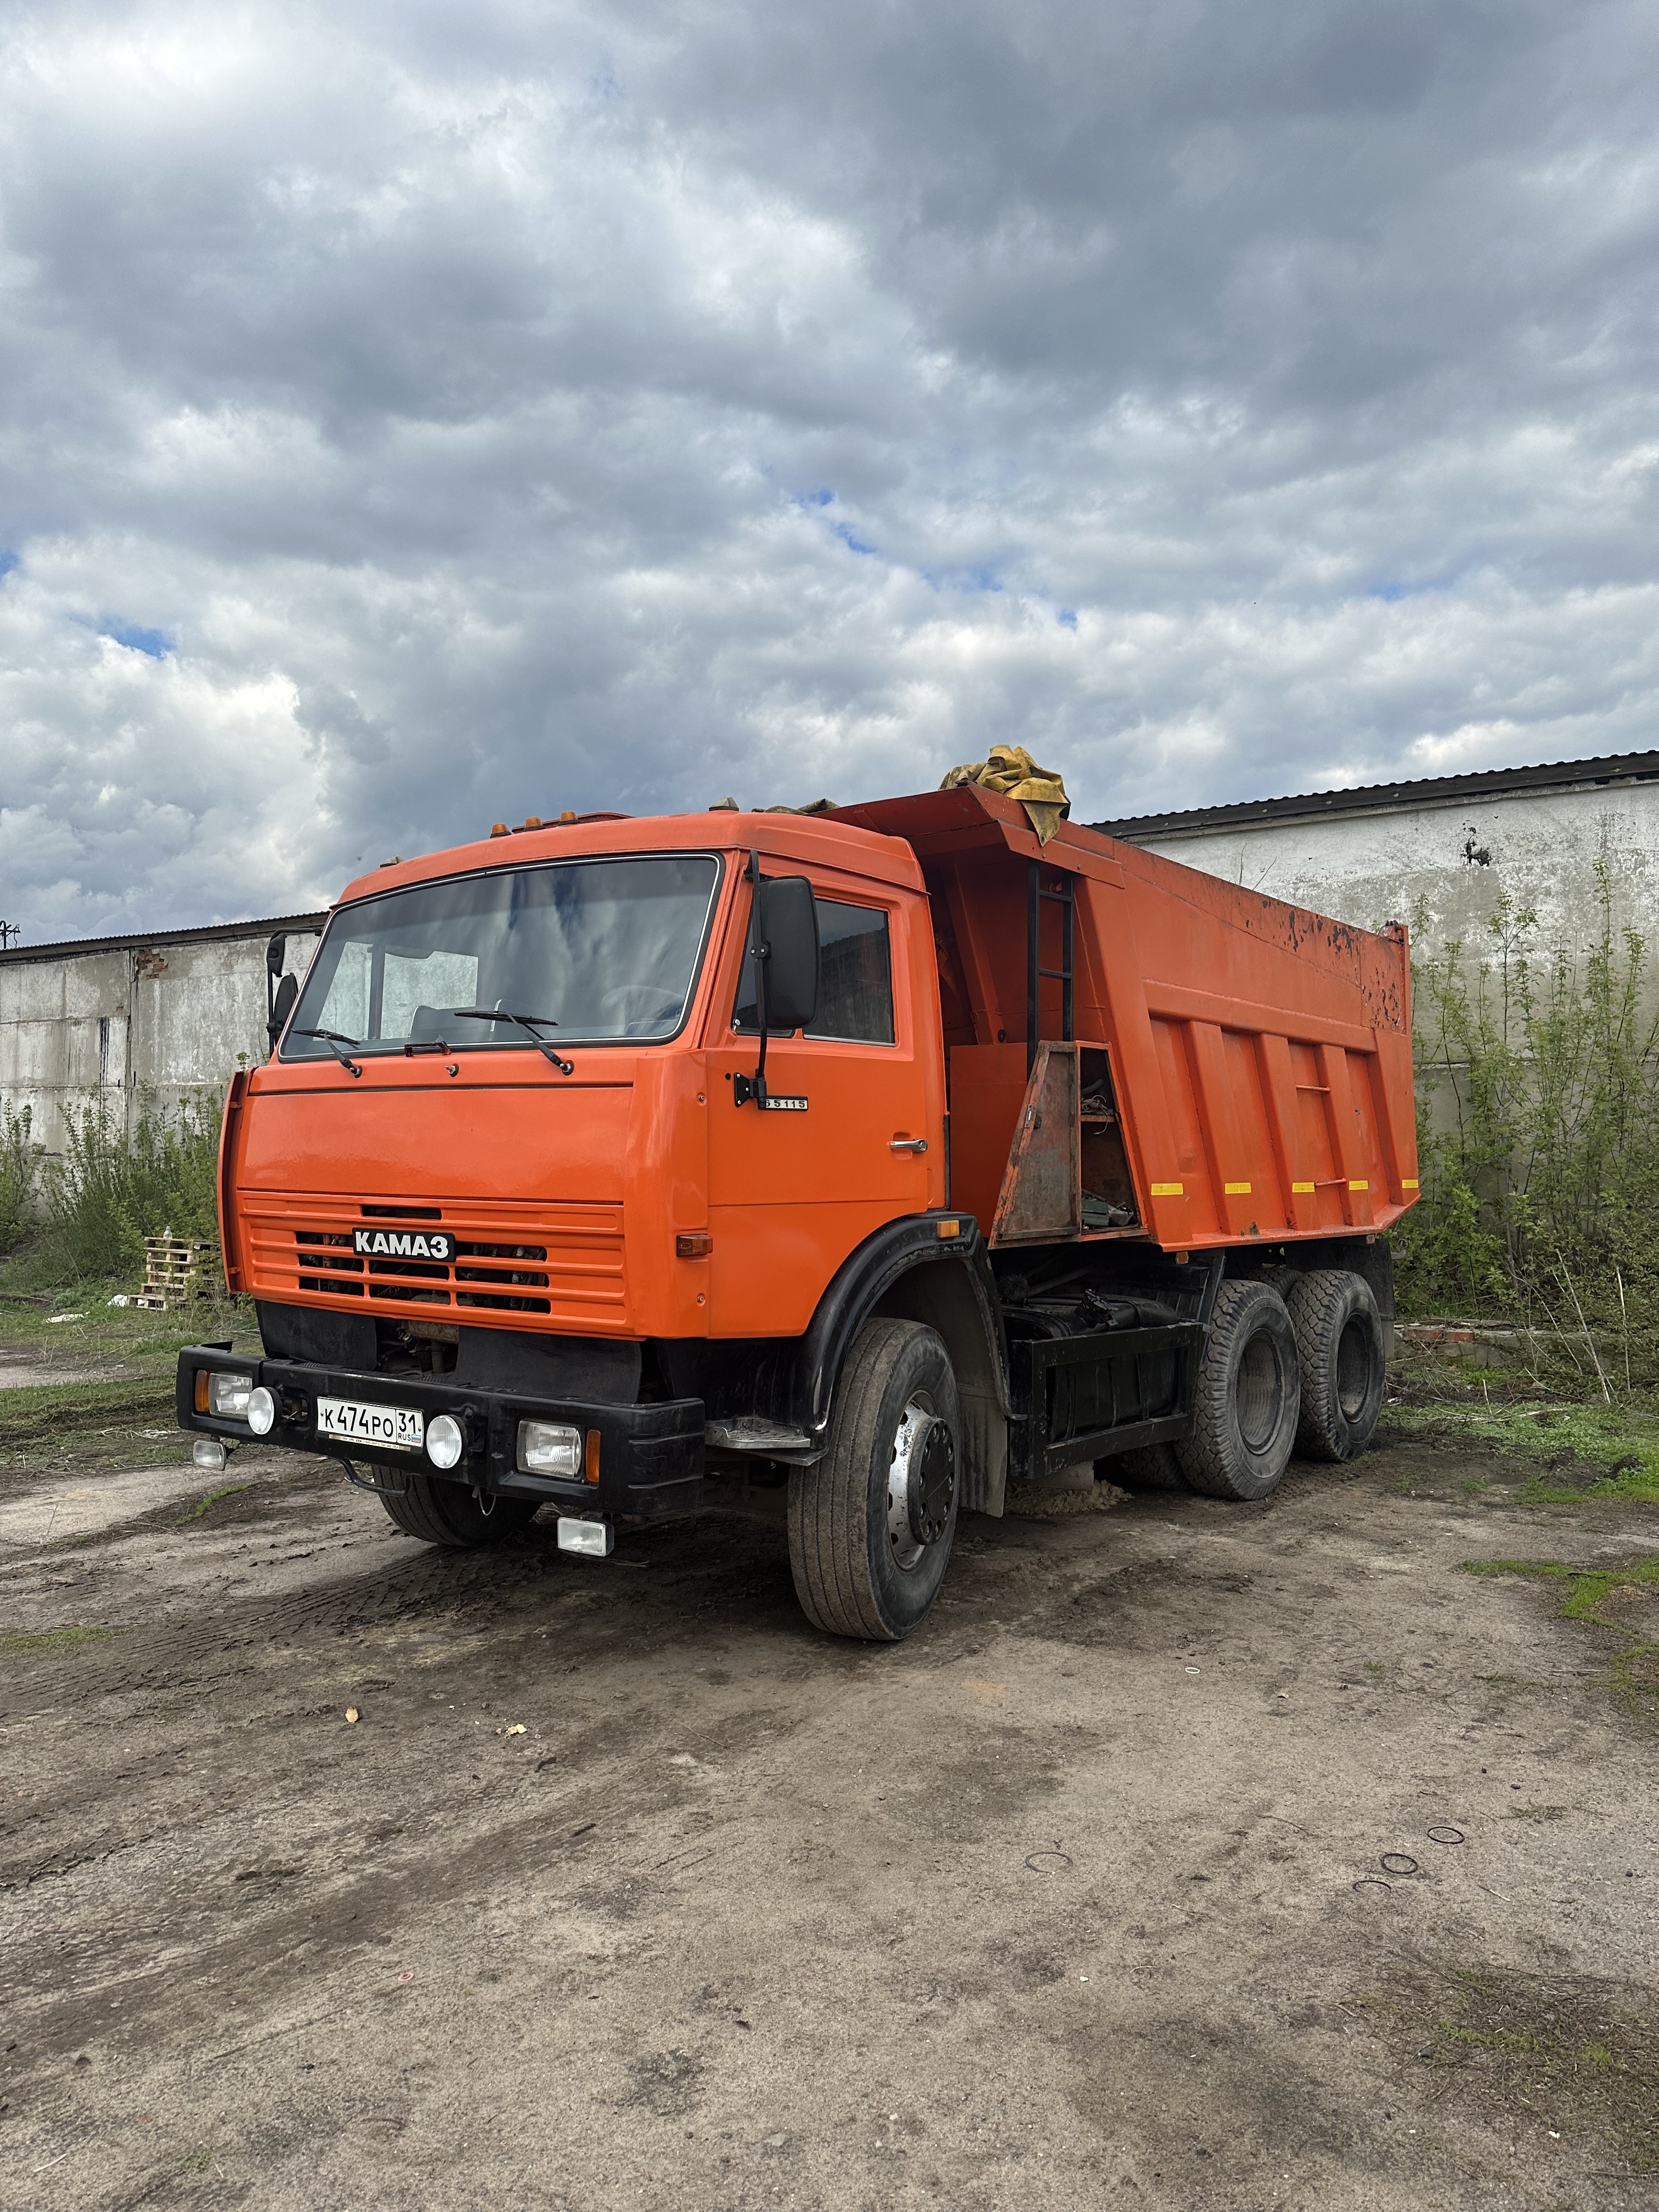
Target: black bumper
(650, 1457)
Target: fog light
(595, 1540)
(228, 1396)
(261, 1412)
(444, 1442)
(210, 1455)
(550, 1447)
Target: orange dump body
(1249, 1063)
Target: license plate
(395, 1428)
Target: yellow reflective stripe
(1411, 1183)
(1169, 1190)
(1355, 1185)
(1302, 1188)
(1236, 1190)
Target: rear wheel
(1248, 1398)
(1339, 1340)
(872, 1524)
(450, 1513)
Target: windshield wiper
(334, 1039)
(530, 1024)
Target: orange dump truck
(887, 1154)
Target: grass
(46, 1412)
(1616, 1446)
(55, 1639)
(213, 1499)
(89, 1417)
(1567, 2054)
(1590, 1591)
(101, 1331)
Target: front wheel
(872, 1524)
(449, 1514)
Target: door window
(855, 977)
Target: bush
(1538, 1131)
(20, 1162)
(110, 1191)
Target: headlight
(444, 1442)
(550, 1447)
(261, 1412)
(228, 1396)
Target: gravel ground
(1133, 1878)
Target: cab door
(853, 1134)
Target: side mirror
(281, 1007)
(276, 956)
(786, 940)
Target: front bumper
(650, 1457)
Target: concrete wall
(1448, 861)
(131, 1019)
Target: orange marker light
(500, 829)
(570, 815)
(591, 1457)
(693, 1244)
(950, 1229)
(200, 1398)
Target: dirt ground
(1190, 1856)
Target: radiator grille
(565, 1262)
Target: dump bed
(1135, 1048)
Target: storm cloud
(418, 417)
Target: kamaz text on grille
(404, 1243)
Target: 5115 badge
(404, 1243)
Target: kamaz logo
(402, 1243)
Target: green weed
(84, 1218)
(1616, 1445)
(20, 1170)
(1572, 2053)
(1635, 1665)
(38, 1414)
(111, 1189)
(214, 1498)
(1538, 1088)
(55, 1640)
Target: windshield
(595, 952)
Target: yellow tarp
(1011, 771)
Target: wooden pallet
(176, 1270)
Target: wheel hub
(921, 1482)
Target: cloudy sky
(420, 414)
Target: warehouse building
(1442, 852)
(127, 1019)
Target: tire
(868, 1548)
(449, 1514)
(1152, 1467)
(1339, 1344)
(1248, 1401)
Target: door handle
(908, 1145)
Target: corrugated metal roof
(69, 948)
(1385, 797)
